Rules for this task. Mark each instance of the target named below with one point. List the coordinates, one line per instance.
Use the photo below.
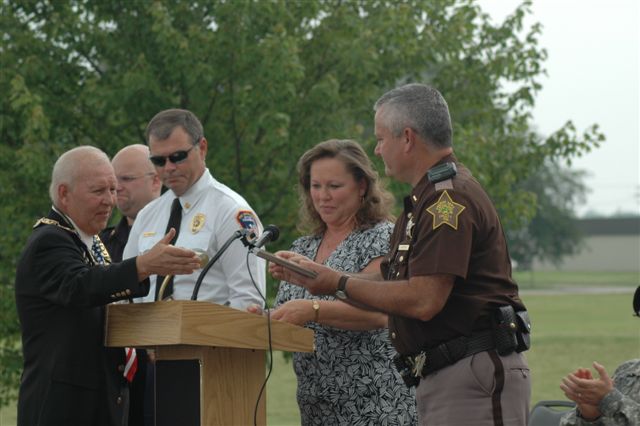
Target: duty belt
(450, 352)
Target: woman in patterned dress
(350, 378)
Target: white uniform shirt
(211, 213)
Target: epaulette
(47, 221)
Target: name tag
(404, 247)
(148, 234)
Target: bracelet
(316, 310)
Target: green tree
(269, 79)
(553, 232)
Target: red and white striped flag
(131, 366)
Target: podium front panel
(177, 392)
(229, 383)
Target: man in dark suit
(62, 285)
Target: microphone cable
(270, 352)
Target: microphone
(270, 234)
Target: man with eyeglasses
(137, 185)
(208, 213)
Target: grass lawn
(569, 331)
(535, 280)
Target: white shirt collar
(189, 198)
(84, 237)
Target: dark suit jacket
(69, 377)
(115, 239)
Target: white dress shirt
(211, 213)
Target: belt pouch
(504, 330)
(523, 335)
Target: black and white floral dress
(350, 378)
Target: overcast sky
(593, 75)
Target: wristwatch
(341, 292)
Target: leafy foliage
(269, 79)
(553, 232)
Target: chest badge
(197, 223)
(445, 211)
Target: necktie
(131, 364)
(96, 250)
(174, 222)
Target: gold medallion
(197, 223)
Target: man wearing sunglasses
(208, 214)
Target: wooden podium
(210, 359)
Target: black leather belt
(450, 352)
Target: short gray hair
(163, 123)
(420, 107)
(69, 165)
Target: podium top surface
(186, 322)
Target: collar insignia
(445, 211)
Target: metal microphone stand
(245, 234)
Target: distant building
(610, 244)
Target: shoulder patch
(247, 219)
(445, 211)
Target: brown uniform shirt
(450, 227)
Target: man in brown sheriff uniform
(455, 316)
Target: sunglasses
(176, 158)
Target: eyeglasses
(129, 179)
(176, 158)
